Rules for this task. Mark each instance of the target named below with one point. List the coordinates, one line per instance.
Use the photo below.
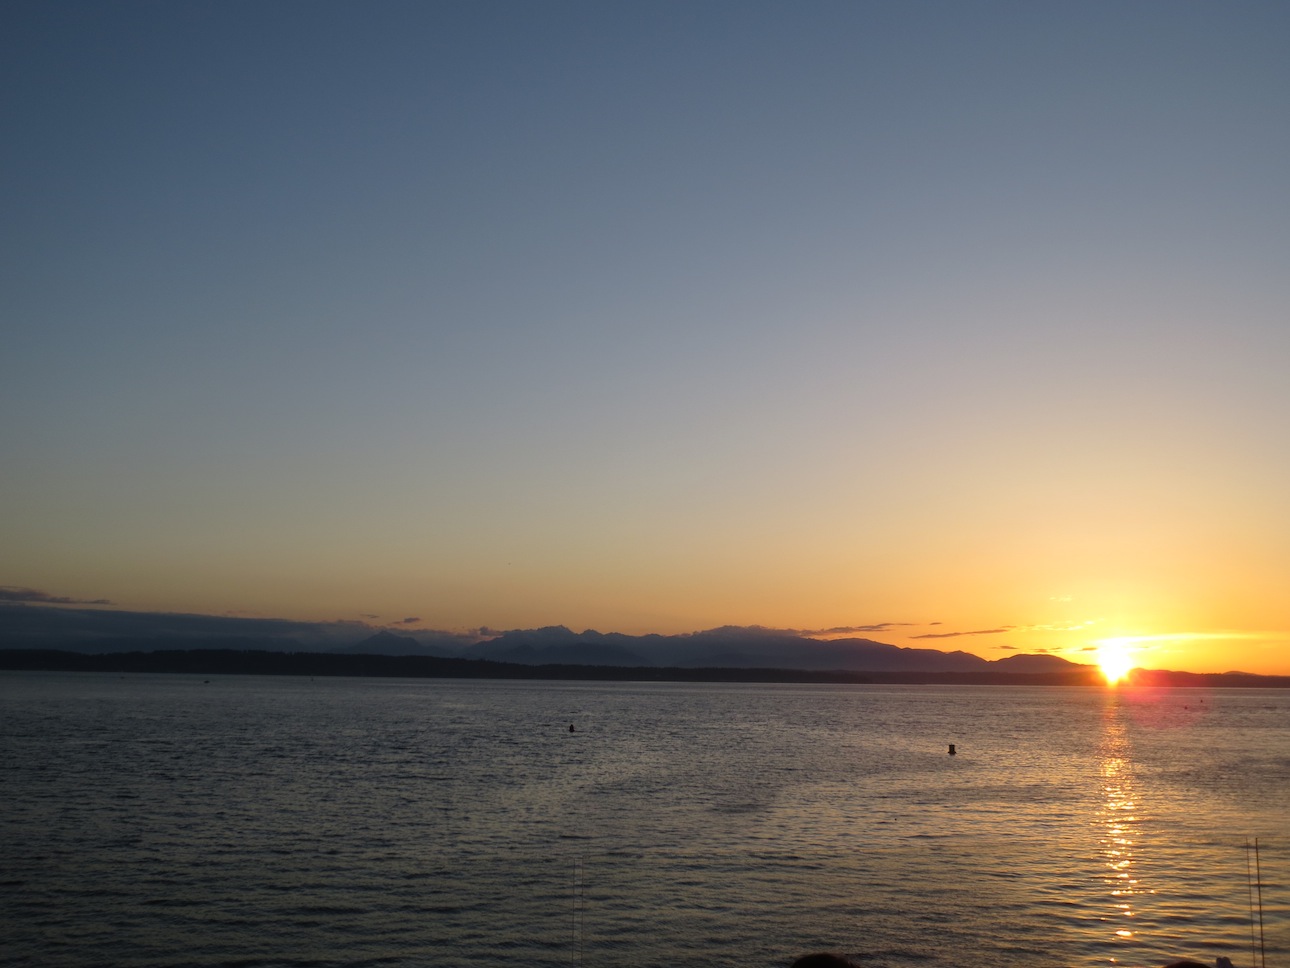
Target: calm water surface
(166, 820)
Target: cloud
(1068, 627)
(851, 629)
(409, 621)
(954, 635)
(16, 593)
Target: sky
(969, 320)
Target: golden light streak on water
(1118, 818)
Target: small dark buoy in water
(953, 751)
(571, 727)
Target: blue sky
(653, 317)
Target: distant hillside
(729, 647)
(92, 630)
(1030, 664)
(104, 631)
(206, 662)
(750, 653)
(388, 643)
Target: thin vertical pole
(1249, 884)
(578, 936)
(574, 931)
(1258, 884)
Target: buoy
(571, 727)
(953, 751)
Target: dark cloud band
(16, 593)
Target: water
(165, 820)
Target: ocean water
(168, 820)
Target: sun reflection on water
(1118, 823)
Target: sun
(1114, 659)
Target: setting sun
(1114, 659)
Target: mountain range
(99, 631)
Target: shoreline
(223, 661)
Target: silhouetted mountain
(247, 662)
(386, 642)
(558, 645)
(149, 643)
(99, 630)
(1164, 677)
(105, 630)
(1034, 663)
(729, 647)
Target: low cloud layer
(853, 629)
(16, 593)
(31, 618)
(954, 635)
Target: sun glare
(1114, 660)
